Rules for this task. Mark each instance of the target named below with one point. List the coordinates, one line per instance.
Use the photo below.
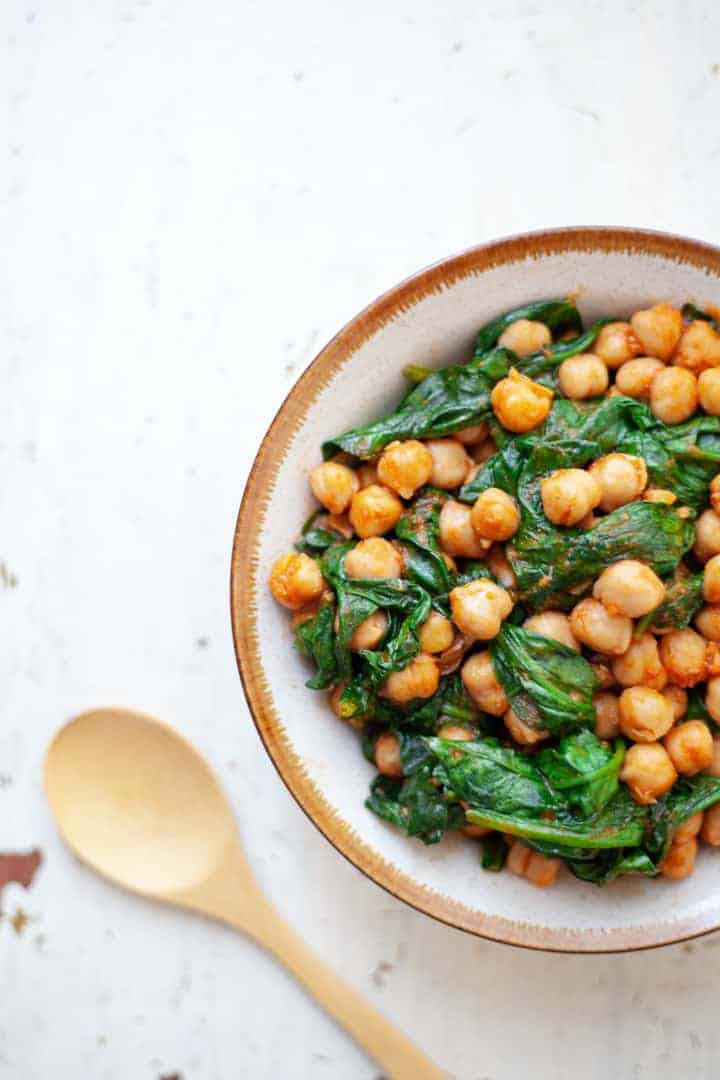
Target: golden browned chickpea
(714, 491)
(680, 860)
(688, 829)
(635, 377)
(709, 391)
(711, 580)
(678, 699)
(305, 615)
(583, 376)
(500, 566)
(711, 826)
(588, 522)
(450, 463)
(555, 625)
(374, 510)
(712, 698)
(603, 671)
(457, 536)
(640, 664)
(659, 495)
(616, 344)
(595, 626)
(295, 580)
(645, 715)
(419, 679)
(518, 858)
(569, 495)
(367, 475)
(436, 633)
(333, 485)
(340, 523)
(707, 621)
(387, 755)
(495, 515)
(370, 633)
(525, 336)
(479, 608)
(472, 435)
(673, 395)
(542, 870)
(455, 733)
(374, 559)
(683, 655)
(707, 536)
(629, 588)
(699, 347)
(484, 451)
(622, 478)
(480, 681)
(658, 329)
(690, 746)
(404, 467)
(607, 715)
(519, 403)
(521, 732)
(648, 772)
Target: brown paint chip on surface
(19, 868)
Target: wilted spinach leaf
(316, 639)
(419, 528)
(683, 598)
(494, 852)
(585, 769)
(415, 805)
(558, 315)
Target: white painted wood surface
(193, 198)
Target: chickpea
(640, 664)
(374, 510)
(340, 523)
(479, 608)
(690, 746)
(622, 478)
(436, 633)
(680, 860)
(404, 467)
(495, 515)
(450, 463)
(595, 626)
(683, 655)
(645, 715)
(659, 495)
(713, 768)
(712, 698)
(635, 377)
(711, 826)
(673, 395)
(688, 829)
(715, 493)
(500, 566)
(333, 485)
(678, 699)
(480, 681)
(519, 403)
(305, 615)
(521, 732)
(707, 536)
(707, 621)
(709, 391)
(469, 436)
(555, 625)
(616, 344)
(629, 588)
(658, 329)
(607, 715)
(295, 580)
(370, 632)
(569, 495)
(603, 672)
(420, 679)
(476, 832)
(699, 347)
(367, 475)
(472, 472)
(541, 870)
(648, 772)
(457, 535)
(583, 376)
(484, 451)
(373, 560)
(387, 755)
(711, 580)
(455, 733)
(525, 336)
(518, 858)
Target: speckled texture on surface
(193, 198)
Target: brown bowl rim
(248, 528)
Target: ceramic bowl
(431, 319)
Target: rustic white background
(193, 197)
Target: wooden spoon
(138, 804)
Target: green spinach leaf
(415, 805)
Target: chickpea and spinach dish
(512, 589)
